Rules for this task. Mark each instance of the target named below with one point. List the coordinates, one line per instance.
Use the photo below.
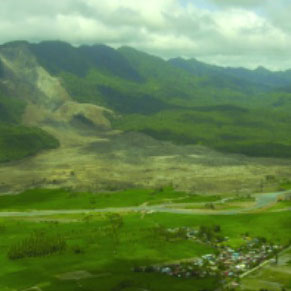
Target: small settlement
(227, 264)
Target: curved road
(262, 201)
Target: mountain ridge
(183, 101)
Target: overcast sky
(245, 33)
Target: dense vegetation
(226, 128)
(238, 76)
(60, 56)
(11, 109)
(17, 142)
(38, 244)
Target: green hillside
(225, 128)
(184, 101)
(259, 77)
(17, 141)
(11, 109)
(60, 56)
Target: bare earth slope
(111, 161)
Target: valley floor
(78, 231)
(82, 248)
(114, 160)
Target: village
(226, 264)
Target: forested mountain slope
(184, 101)
(17, 141)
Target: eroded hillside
(92, 155)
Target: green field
(99, 251)
(63, 199)
(92, 247)
(282, 205)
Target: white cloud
(237, 33)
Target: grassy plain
(91, 247)
(99, 256)
(64, 199)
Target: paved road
(262, 201)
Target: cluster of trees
(168, 235)
(210, 233)
(38, 244)
(18, 141)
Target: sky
(247, 33)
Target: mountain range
(53, 85)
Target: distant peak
(181, 59)
(129, 50)
(18, 43)
(134, 52)
(55, 43)
(97, 45)
(125, 47)
(261, 69)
